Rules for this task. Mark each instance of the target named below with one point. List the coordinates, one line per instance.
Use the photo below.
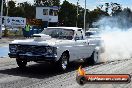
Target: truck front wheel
(21, 63)
(63, 62)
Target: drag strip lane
(46, 76)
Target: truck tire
(94, 58)
(21, 63)
(63, 62)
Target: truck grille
(31, 48)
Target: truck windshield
(59, 33)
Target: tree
(11, 8)
(27, 9)
(47, 2)
(67, 14)
(116, 9)
(11, 4)
(95, 15)
(107, 7)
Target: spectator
(27, 29)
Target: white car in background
(60, 45)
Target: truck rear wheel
(93, 59)
(21, 63)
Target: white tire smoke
(118, 41)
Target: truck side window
(79, 35)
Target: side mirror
(76, 38)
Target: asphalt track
(46, 76)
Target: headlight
(49, 50)
(12, 48)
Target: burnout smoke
(117, 39)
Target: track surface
(46, 76)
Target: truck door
(81, 45)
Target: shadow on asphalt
(41, 70)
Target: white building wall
(40, 15)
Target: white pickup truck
(59, 45)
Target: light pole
(1, 18)
(7, 8)
(77, 13)
(85, 17)
(6, 13)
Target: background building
(49, 15)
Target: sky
(92, 4)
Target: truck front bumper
(31, 57)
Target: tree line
(68, 11)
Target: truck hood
(40, 39)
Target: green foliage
(11, 4)
(95, 15)
(68, 11)
(24, 9)
(114, 7)
(47, 2)
(67, 14)
(6, 33)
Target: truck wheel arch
(60, 54)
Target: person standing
(27, 30)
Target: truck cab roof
(73, 28)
